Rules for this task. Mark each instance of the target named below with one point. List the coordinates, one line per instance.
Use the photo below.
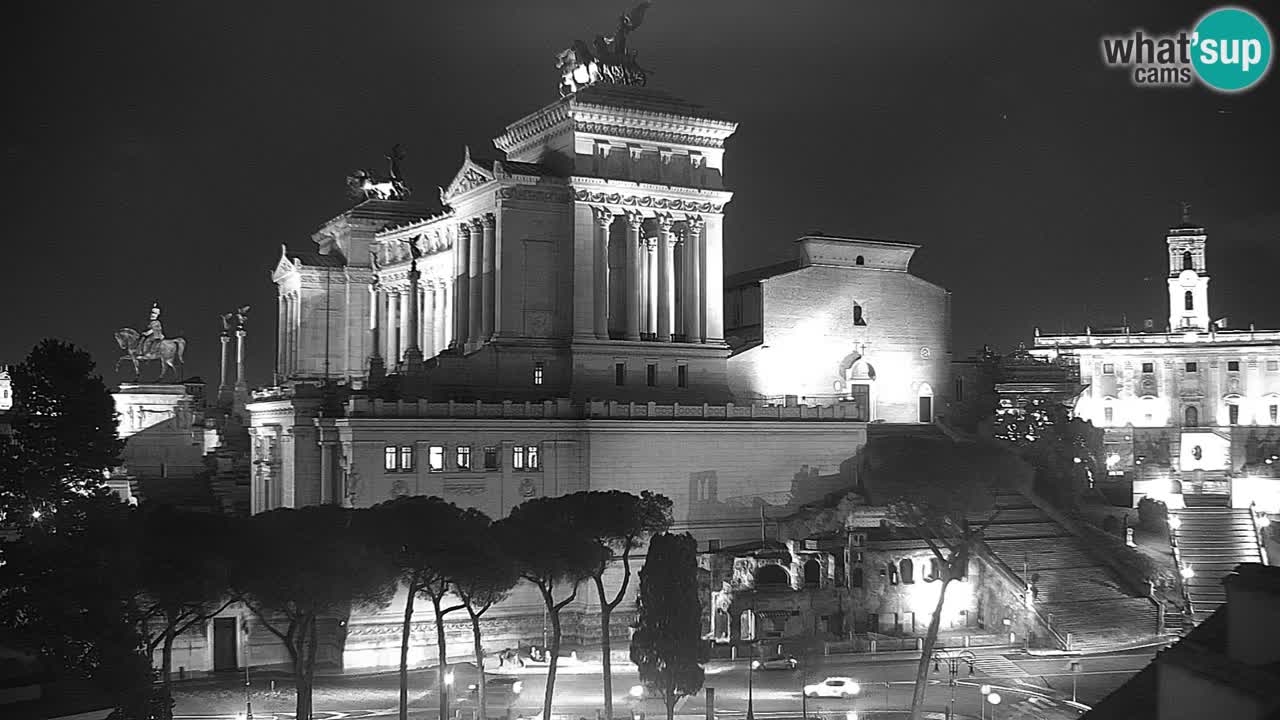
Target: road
(1029, 687)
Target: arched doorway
(720, 624)
(907, 569)
(1191, 416)
(812, 573)
(925, 399)
(772, 575)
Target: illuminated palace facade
(1193, 409)
(558, 324)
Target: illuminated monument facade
(1194, 409)
(557, 323)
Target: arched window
(859, 261)
(772, 575)
(812, 573)
(1187, 262)
(1190, 416)
(857, 316)
(908, 570)
(893, 573)
(1188, 301)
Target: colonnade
(289, 305)
(391, 317)
(652, 286)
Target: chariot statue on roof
(364, 185)
(607, 59)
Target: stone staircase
(1212, 538)
(1076, 592)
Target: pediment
(470, 176)
(284, 266)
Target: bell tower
(1188, 279)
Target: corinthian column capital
(603, 216)
(488, 220)
(635, 220)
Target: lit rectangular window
(1233, 366)
(531, 456)
(538, 367)
(406, 458)
(682, 376)
(1275, 413)
(435, 458)
(517, 457)
(1192, 367)
(1233, 414)
(491, 458)
(959, 389)
(1108, 369)
(1108, 414)
(1148, 367)
(651, 375)
(389, 455)
(619, 374)
(463, 457)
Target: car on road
(833, 687)
(776, 662)
(498, 690)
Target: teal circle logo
(1231, 49)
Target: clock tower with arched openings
(1188, 279)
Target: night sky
(166, 150)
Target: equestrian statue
(151, 344)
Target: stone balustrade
(563, 409)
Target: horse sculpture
(168, 352)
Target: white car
(833, 687)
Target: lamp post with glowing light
(993, 699)
(983, 692)
(448, 683)
(953, 661)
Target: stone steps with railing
(1212, 541)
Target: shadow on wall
(808, 485)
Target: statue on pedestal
(150, 344)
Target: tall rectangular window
(389, 458)
(682, 376)
(463, 457)
(651, 375)
(491, 458)
(406, 458)
(517, 457)
(959, 389)
(524, 457)
(538, 367)
(531, 457)
(435, 458)
(619, 374)
(1108, 415)
(1233, 414)
(1274, 410)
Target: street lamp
(953, 661)
(448, 683)
(751, 672)
(994, 699)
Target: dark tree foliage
(299, 567)
(1066, 452)
(64, 434)
(943, 493)
(618, 522)
(549, 550)
(68, 593)
(430, 543)
(485, 580)
(184, 575)
(667, 647)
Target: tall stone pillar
(713, 279)
(651, 286)
(634, 221)
(405, 318)
(488, 284)
(693, 276)
(603, 220)
(461, 286)
(222, 376)
(393, 326)
(475, 281)
(377, 368)
(666, 278)
(328, 472)
(427, 310)
(242, 385)
(438, 310)
(413, 323)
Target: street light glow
(994, 698)
(448, 678)
(637, 691)
(1187, 573)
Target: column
(442, 312)
(393, 327)
(412, 320)
(405, 317)
(475, 285)
(713, 279)
(666, 279)
(603, 220)
(291, 356)
(461, 295)
(327, 468)
(375, 299)
(693, 287)
(651, 286)
(634, 221)
(241, 384)
(282, 335)
(222, 377)
(488, 286)
(427, 311)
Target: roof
(311, 258)
(527, 168)
(644, 99)
(755, 275)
